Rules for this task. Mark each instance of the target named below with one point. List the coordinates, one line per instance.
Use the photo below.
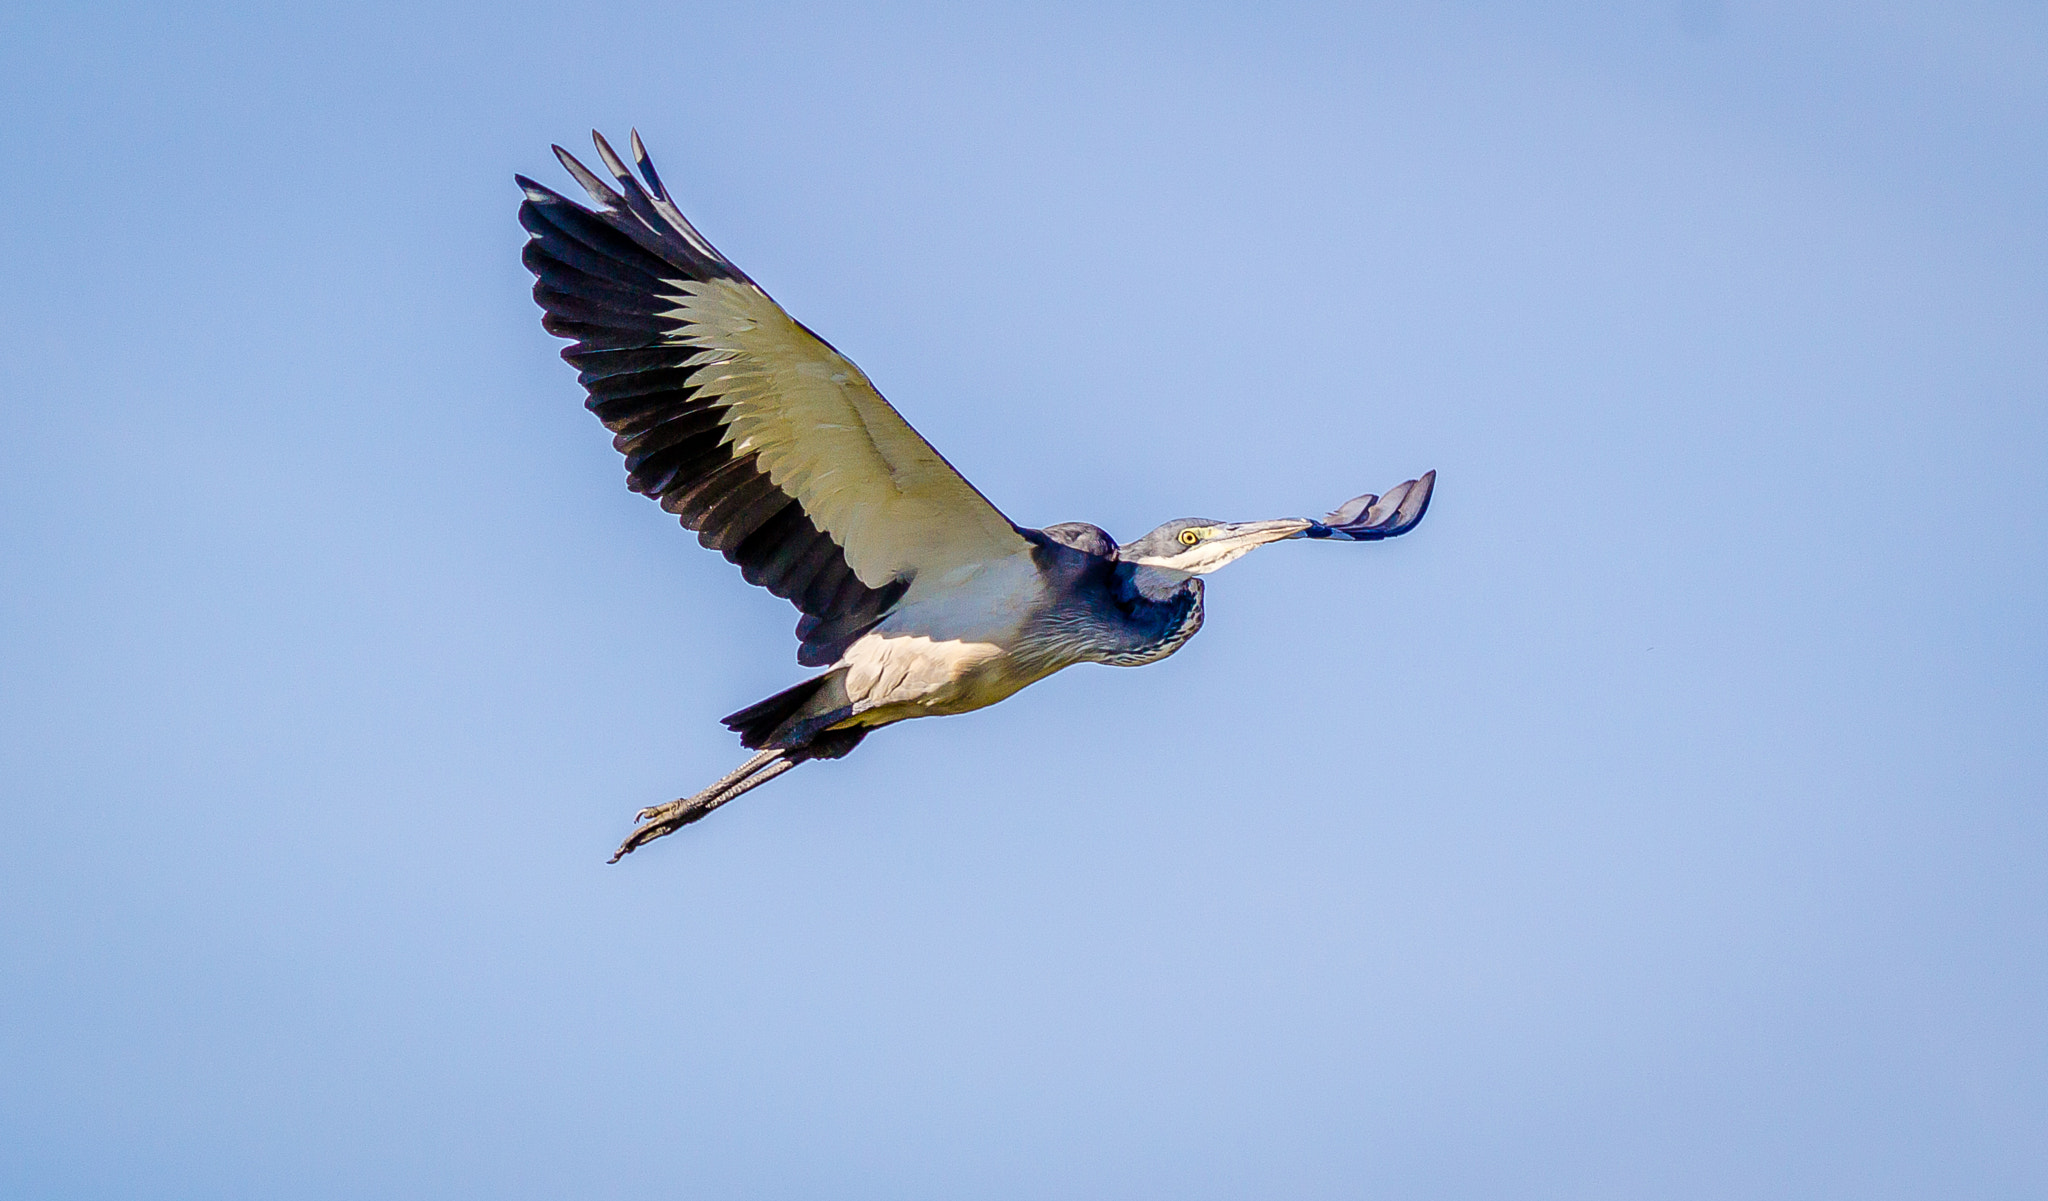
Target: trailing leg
(659, 820)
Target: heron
(918, 597)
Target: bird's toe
(653, 812)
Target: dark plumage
(600, 280)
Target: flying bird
(919, 598)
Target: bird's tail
(796, 717)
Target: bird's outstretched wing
(1370, 518)
(750, 428)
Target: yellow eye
(1190, 537)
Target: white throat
(1199, 559)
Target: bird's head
(1199, 545)
(1195, 546)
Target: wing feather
(754, 431)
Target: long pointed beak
(1258, 533)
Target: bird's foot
(657, 821)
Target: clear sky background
(1664, 818)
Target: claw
(641, 837)
(657, 821)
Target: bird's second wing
(750, 428)
(1369, 518)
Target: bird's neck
(1158, 585)
(1161, 609)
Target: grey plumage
(918, 597)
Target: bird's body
(961, 645)
(988, 630)
(919, 598)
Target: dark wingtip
(1369, 518)
(611, 158)
(642, 160)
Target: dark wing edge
(604, 279)
(1370, 518)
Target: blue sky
(1664, 818)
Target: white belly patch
(894, 676)
(949, 651)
